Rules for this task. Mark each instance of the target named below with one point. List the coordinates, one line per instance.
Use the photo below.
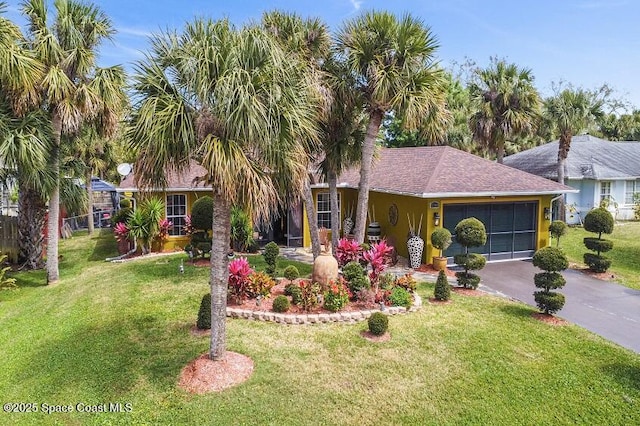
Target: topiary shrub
(295, 292)
(378, 323)
(400, 297)
(356, 277)
(202, 213)
(557, 229)
(441, 239)
(204, 313)
(270, 255)
(291, 273)
(552, 260)
(470, 232)
(442, 290)
(281, 304)
(601, 222)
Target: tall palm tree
(507, 104)
(392, 60)
(73, 89)
(234, 101)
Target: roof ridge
(437, 168)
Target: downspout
(123, 256)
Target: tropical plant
(378, 323)
(144, 222)
(406, 281)
(376, 256)
(470, 232)
(347, 251)
(557, 229)
(260, 284)
(600, 221)
(392, 61)
(400, 297)
(164, 226)
(336, 296)
(121, 232)
(241, 230)
(552, 260)
(442, 290)
(239, 283)
(6, 283)
(309, 292)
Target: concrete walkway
(606, 308)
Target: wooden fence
(9, 237)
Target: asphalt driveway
(608, 309)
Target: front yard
(119, 333)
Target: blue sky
(584, 42)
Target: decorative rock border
(344, 317)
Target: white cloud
(356, 4)
(136, 32)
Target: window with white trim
(631, 187)
(605, 191)
(177, 212)
(323, 209)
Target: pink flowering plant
(376, 257)
(239, 283)
(121, 232)
(188, 227)
(348, 251)
(164, 226)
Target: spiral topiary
(470, 232)
(552, 260)
(378, 323)
(601, 222)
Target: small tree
(470, 232)
(601, 222)
(442, 290)
(441, 239)
(557, 229)
(271, 252)
(552, 260)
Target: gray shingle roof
(589, 158)
(175, 182)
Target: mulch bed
(376, 339)
(468, 292)
(204, 375)
(549, 319)
(430, 270)
(435, 301)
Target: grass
(625, 253)
(119, 333)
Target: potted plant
(441, 240)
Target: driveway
(607, 309)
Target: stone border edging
(346, 317)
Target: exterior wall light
(436, 219)
(547, 213)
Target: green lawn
(119, 333)
(625, 254)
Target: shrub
(470, 232)
(557, 229)
(270, 255)
(6, 283)
(378, 323)
(400, 297)
(352, 270)
(204, 313)
(376, 256)
(239, 284)
(309, 294)
(469, 261)
(125, 203)
(281, 304)
(295, 292)
(549, 280)
(597, 263)
(202, 213)
(549, 302)
(336, 297)
(366, 296)
(347, 251)
(121, 216)
(441, 239)
(359, 283)
(598, 245)
(468, 279)
(407, 282)
(241, 230)
(260, 284)
(552, 260)
(601, 222)
(442, 290)
(291, 272)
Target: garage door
(511, 228)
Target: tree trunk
(365, 174)
(54, 205)
(90, 202)
(31, 212)
(332, 180)
(564, 145)
(219, 277)
(312, 218)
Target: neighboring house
(599, 169)
(443, 186)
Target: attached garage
(511, 228)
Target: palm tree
(507, 104)
(392, 61)
(73, 90)
(234, 101)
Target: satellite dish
(124, 169)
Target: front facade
(442, 186)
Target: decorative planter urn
(415, 246)
(347, 226)
(325, 269)
(439, 263)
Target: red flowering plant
(348, 251)
(239, 283)
(164, 226)
(337, 295)
(121, 232)
(376, 258)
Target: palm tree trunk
(221, 228)
(312, 218)
(54, 206)
(564, 145)
(332, 180)
(90, 202)
(365, 174)
(31, 212)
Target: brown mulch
(376, 339)
(604, 276)
(468, 292)
(435, 301)
(430, 270)
(203, 375)
(549, 319)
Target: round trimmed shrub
(352, 270)
(378, 323)
(291, 273)
(599, 221)
(400, 297)
(597, 244)
(470, 261)
(597, 263)
(549, 302)
(468, 280)
(441, 239)
(359, 283)
(204, 313)
(550, 259)
(471, 232)
(557, 229)
(281, 304)
(202, 213)
(442, 290)
(295, 292)
(549, 280)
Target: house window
(605, 191)
(323, 210)
(631, 187)
(176, 212)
